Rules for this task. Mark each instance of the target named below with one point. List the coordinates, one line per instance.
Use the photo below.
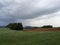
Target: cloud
(27, 10)
(32, 9)
(46, 20)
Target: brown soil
(43, 29)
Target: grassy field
(11, 37)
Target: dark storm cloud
(29, 10)
(12, 10)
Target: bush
(47, 26)
(15, 26)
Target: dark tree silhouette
(47, 26)
(15, 26)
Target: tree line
(19, 26)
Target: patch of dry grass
(43, 29)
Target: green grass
(11, 37)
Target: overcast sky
(30, 12)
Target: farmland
(13, 37)
(44, 30)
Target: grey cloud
(12, 10)
(28, 11)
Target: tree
(15, 26)
(47, 26)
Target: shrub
(15, 26)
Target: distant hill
(28, 27)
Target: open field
(11, 37)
